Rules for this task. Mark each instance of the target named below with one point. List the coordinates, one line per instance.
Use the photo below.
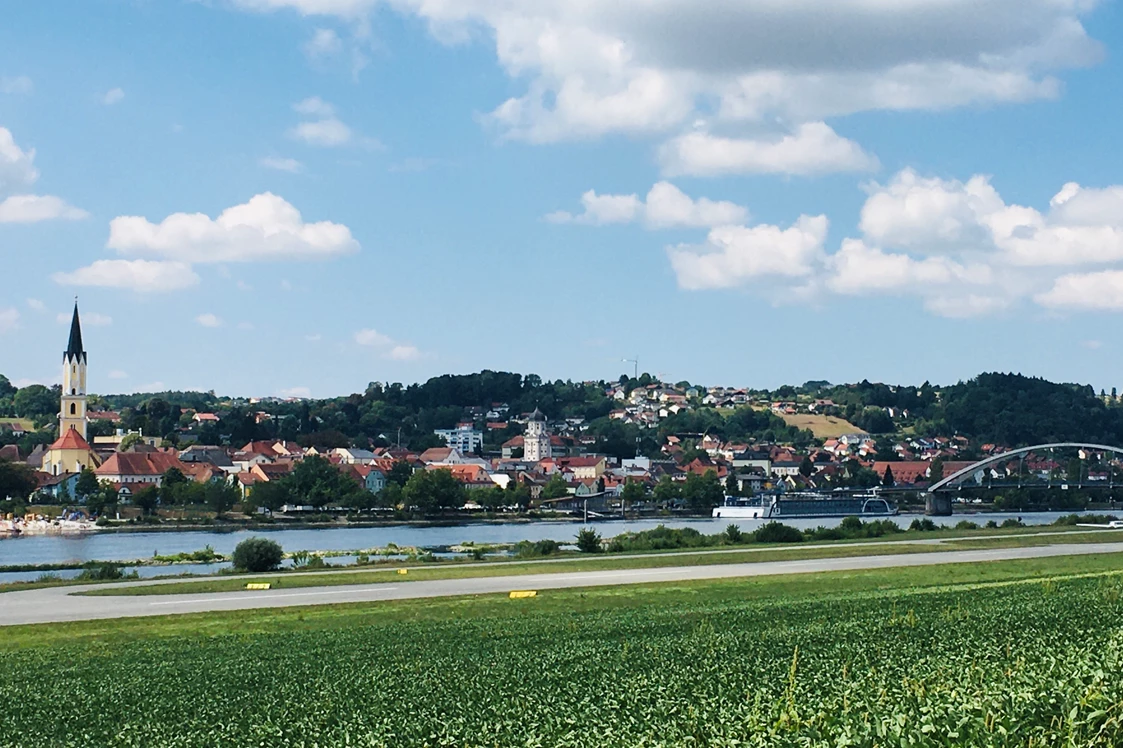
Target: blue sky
(301, 196)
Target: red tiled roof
(71, 440)
(140, 463)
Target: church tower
(73, 413)
(536, 442)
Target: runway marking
(268, 597)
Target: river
(125, 546)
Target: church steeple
(72, 415)
(75, 350)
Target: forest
(1004, 409)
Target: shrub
(733, 535)
(776, 532)
(966, 524)
(923, 525)
(1011, 522)
(991, 524)
(528, 549)
(257, 554)
(101, 571)
(588, 541)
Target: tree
(1114, 395)
(805, 467)
(86, 486)
(588, 541)
(316, 481)
(702, 492)
(399, 473)
(887, 479)
(170, 484)
(257, 555)
(634, 491)
(129, 441)
(666, 491)
(936, 470)
(555, 488)
(147, 498)
(433, 490)
(732, 488)
(220, 497)
(271, 495)
(36, 402)
(102, 499)
(733, 534)
(17, 480)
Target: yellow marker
(403, 571)
(258, 586)
(523, 593)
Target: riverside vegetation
(822, 660)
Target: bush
(257, 554)
(776, 532)
(588, 541)
(528, 549)
(733, 535)
(101, 571)
(966, 524)
(923, 525)
(1012, 523)
(991, 524)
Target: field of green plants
(1034, 663)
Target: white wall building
(463, 440)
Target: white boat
(804, 505)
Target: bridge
(940, 505)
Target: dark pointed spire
(74, 349)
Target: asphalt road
(60, 604)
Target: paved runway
(60, 604)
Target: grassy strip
(826, 585)
(589, 563)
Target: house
(56, 486)
(205, 418)
(70, 453)
(904, 473)
(786, 468)
(472, 476)
(442, 456)
(139, 467)
(583, 468)
(353, 456)
(372, 479)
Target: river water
(118, 546)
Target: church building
(536, 440)
(70, 453)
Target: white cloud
(314, 338)
(734, 255)
(324, 132)
(403, 353)
(112, 96)
(35, 208)
(391, 349)
(314, 106)
(324, 43)
(20, 84)
(9, 319)
(814, 148)
(372, 338)
(17, 169)
(152, 387)
(1086, 291)
(665, 206)
(146, 276)
(640, 66)
(857, 268)
(325, 129)
(265, 228)
(290, 165)
(209, 320)
(246, 326)
(89, 319)
(300, 392)
(37, 305)
(18, 173)
(118, 374)
(1092, 345)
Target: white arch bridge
(941, 505)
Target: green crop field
(855, 659)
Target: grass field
(1013, 653)
(823, 427)
(952, 541)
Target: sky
(298, 197)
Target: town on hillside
(497, 442)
